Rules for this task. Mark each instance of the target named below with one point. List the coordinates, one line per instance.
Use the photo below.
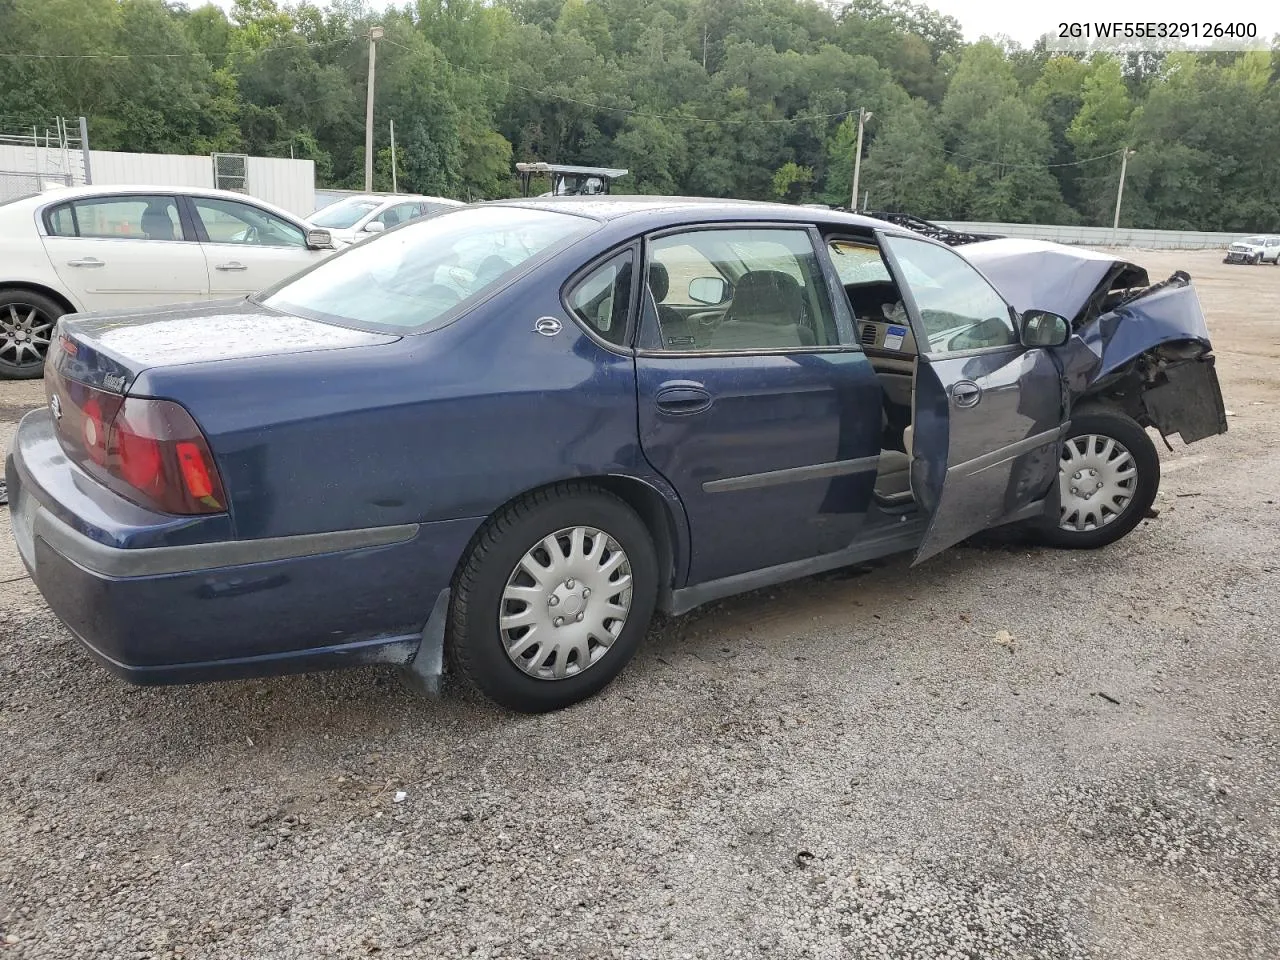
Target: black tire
(1256, 257)
(475, 642)
(1103, 422)
(17, 326)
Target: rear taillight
(149, 451)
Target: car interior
(773, 308)
(880, 321)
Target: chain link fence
(231, 172)
(14, 184)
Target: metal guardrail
(1105, 236)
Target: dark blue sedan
(505, 435)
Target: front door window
(958, 309)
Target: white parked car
(80, 249)
(359, 217)
(1254, 250)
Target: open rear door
(988, 413)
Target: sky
(1026, 21)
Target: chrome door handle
(233, 265)
(86, 262)
(966, 393)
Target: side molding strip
(773, 478)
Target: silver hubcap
(565, 603)
(25, 332)
(1097, 478)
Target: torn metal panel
(1189, 402)
(1168, 314)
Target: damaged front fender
(1151, 356)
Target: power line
(163, 56)
(1034, 166)
(627, 110)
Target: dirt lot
(849, 766)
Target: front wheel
(553, 598)
(1107, 478)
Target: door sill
(886, 533)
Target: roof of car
(94, 190)
(59, 194)
(394, 198)
(616, 207)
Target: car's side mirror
(319, 240)
(708, 290)
(374, 226)
(1040, 328)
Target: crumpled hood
(1039, 275)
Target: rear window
(408, 280)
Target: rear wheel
(27, 319)
(1107, 479)
(553, 598)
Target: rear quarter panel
(439, 426)
(23, 259)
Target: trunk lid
(109, 350)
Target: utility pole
(863, 117)
(84, 148)
(375, 34)
(1124, 166)
(395, 187)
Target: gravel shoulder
(847, 766)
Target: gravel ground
(850, 766)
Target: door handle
(683, 399)
(966, 393)
(233, 265)
(86, 262)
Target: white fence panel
(150, 169)
(290, 184)
(286, 183)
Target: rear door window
(117, 218)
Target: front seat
(677, 331)
(767, 311)
(156, 224)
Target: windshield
(410, 278)
(345, 213)
(1255, 241)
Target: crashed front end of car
(1141, 347)
(1242, 253)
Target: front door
(988, 413)
(120, 251)
(760, 411)
(247, 248)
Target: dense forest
(735, 98)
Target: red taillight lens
(149, 451)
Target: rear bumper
(234, 609)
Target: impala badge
(547, 326)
